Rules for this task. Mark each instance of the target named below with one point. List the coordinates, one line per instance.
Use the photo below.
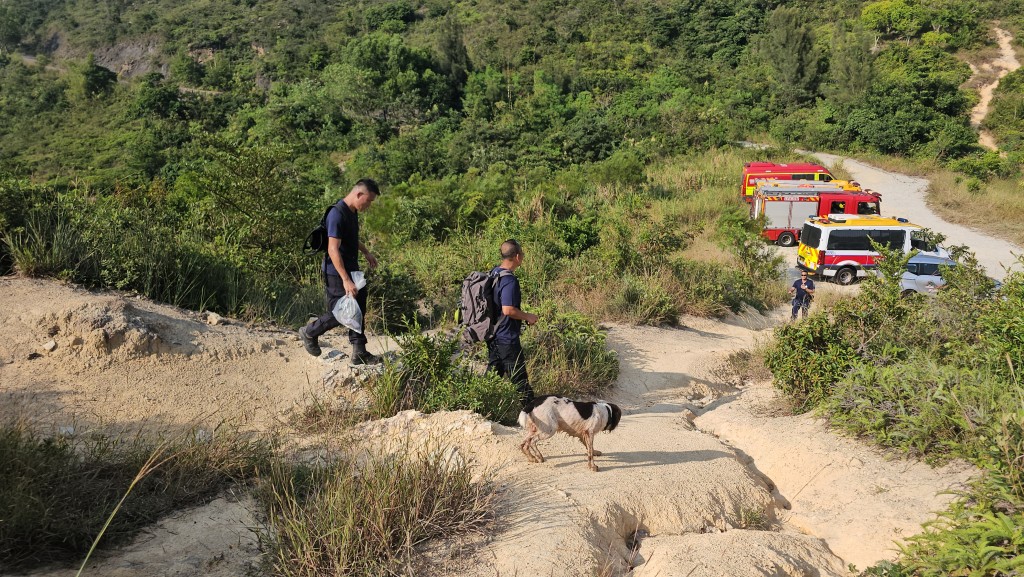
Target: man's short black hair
(369, 184)
(510, 249)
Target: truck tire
(786, 239)
(846, 276)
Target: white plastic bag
(346, 310)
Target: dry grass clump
(367, 514)
(58, 492)
(996, 206)
(62, 496)
(747, 365)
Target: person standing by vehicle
(505, 351)
(342, 259)
(802, 292)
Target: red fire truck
(787, 171)
(786, 204)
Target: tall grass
(47, 245)
(995, 206)
(57, 492)
(365, 514)
(566, 355)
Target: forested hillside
(183, 149)
(189, 146)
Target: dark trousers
(334, 291)
(801, 305)
(508, 361)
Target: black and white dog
(544, 416)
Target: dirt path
(700, 473)
(904, 196)
(1005, 63)
(708, 476)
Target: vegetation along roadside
(935, 378)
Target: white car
(923, 274)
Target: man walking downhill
(342, 258)
(504, 351)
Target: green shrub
(429, 375)
(917, 406)
(578, 234)
(982, 533)
(623, 169)
(806, 358)
(566, 355)
(985, 166)
(393, 299)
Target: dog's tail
(523, 416)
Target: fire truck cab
(753, 171)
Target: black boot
(360, 356)
(310, 343)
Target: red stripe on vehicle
(832, 258)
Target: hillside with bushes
(182, 151)
(193, 175)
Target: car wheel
(846, 276)
(786, 239)
(909, 293)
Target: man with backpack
(342, 258)
(504, 350)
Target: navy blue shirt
(802, 294)
(343, 224)
(507, 294)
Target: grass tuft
(365, 514)
(57, 493)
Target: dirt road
(904, 196)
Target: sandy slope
(124, 361)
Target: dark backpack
(316, 241)
(478, 308)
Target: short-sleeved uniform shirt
(507, 294)
(343, 224)
(802, 294)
